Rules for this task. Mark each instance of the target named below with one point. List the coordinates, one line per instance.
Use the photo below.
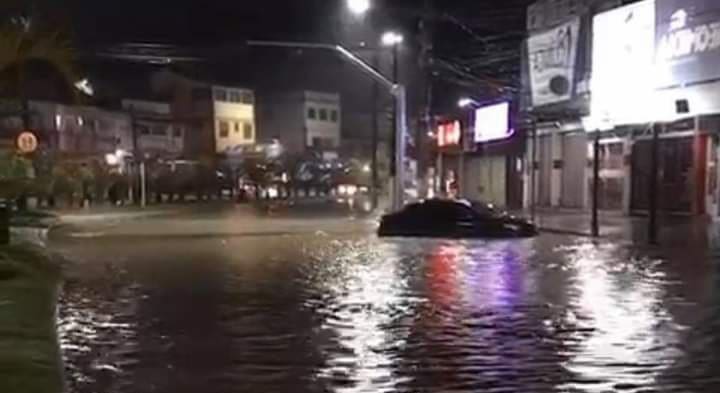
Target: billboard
(687, 41)
(552, 59)
(492, 123)
(623, 81)
(449, 134)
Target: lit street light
(466, 102)
(392, 38)
(358, 7)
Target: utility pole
(533, 170)
(375, 136)
(653, 202)
(595, 230)
(426, 36)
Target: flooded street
(215, 304)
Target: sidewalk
(673, 231)
(29, 352)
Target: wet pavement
(226, 302)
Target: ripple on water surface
(313, 313)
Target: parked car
(447, 218)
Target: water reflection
(620, 303)
(322, 313)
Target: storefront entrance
(675, 161)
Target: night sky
(476, 42)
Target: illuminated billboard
(687, 41)
(449, 134)
(623, 77)
(492, 123)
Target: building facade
(218, 118)
(81, 130)
(653, 69)
(156, 133)
(305, 120)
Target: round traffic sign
(27, 142)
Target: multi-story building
(155, 131)
(303, 120)
(81, 130)
(219, 118)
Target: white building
(234, 111)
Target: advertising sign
(687, 41)
(622, 82)
(552, 60)
(492, 123)
(449, 134)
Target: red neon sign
(449, 133)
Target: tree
(14, 175)
(32, 57)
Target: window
(323, 114)
(334, 116)
(247, 131)
(220, 95)
(312, 114)
(144, 130)
(237, 127)
(248, 98)
(224, 129)
(234, 96)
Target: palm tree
(30, 59)
(27, 51)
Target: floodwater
(315, 311)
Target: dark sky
(476, 42)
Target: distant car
(446, 218)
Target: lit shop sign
(687, 41)
(449, 133)
(623, 60)
(492, 123)
(553, 55)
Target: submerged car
(454, 219)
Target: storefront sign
(622, 81)
(449, 134)
(552, 57)
(492, 123)
(687, 41)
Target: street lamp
(358, 7)
(466, 102)
(391, 38)
(398, 91)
